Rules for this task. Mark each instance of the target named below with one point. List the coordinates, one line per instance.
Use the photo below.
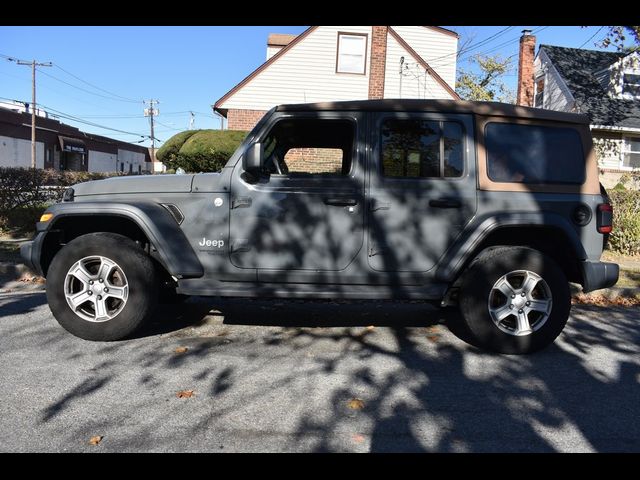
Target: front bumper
(598, 275)
(30, 252)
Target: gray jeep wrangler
(490, 207)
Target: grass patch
(629, 279)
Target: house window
(421, 149)
(352, 53)
(631, 84)
(631, 152)
(539, 97)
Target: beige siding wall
(608, 148)
(305, 73)
(432, 45)
(415, 83)
(555, 95)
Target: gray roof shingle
(578, 68)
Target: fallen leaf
(356, 437)
(601, 300)
(185, 394)
(96, 440)
(433, 338)
(355, 404)
(181, 350)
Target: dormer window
(631, 85)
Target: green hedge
(200, 150)
(625, 237)
(25, 193)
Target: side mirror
(252, 159)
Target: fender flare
(480, 228)
(154, 220)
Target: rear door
(422, 188)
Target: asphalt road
(283, 386)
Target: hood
(139, 184)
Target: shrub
(200, 150)
(24, 193)
(171, 147)
(625, 237)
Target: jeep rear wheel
(101, 286)
(514, 300)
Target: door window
(421, 149)
(309, 147)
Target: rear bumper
(599, 275)
(30, 253)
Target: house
(63, 147)
(332, 63)
(603, 85)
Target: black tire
(140, 275)
(478, 283)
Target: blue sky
(186, 68)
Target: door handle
(378, 205)
(445, 203)
(240, 245)
(241, 202)
(341, 201)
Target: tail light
(605, 218)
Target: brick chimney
(378, 62)
(525, 69)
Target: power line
(504, 44)
(472, 45)
(95, 86)
(33, 64)
(112, 96)
(591, 37)
(84, 89)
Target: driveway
(368, 377)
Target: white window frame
(361, 68)
(629, 95)
(626, 148)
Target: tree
(487, 84)
(617, 36)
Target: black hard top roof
(448, 106)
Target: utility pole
(151, 112)
(33, 64)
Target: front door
(302, 219)
(422, 188)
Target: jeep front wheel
(101, 286)
(514, 300)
